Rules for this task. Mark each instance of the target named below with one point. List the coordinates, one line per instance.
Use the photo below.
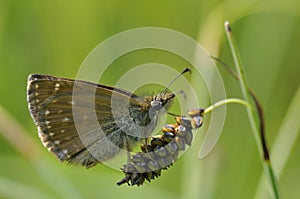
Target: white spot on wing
(62, 131)
(51, 134)
(66, 119)
(57, 142)
(47, 112)
(36, 86)
(60, 111)
(57, 85)
(47, 122)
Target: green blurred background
(54, 37)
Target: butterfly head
(162, 100)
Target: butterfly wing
(81, 122)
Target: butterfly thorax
(145, 115)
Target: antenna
(179, 75)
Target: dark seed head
(168, 137)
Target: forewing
(73, 127)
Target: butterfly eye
(156, 105)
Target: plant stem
(226, 101)
(259, 137)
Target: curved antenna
(179, 75)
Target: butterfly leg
(128, 149)
(146, 144)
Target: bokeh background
(54, 37)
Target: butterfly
(83, 123)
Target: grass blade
(263, 151)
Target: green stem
(226, 101)
(263, 151)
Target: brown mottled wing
(75, 118)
